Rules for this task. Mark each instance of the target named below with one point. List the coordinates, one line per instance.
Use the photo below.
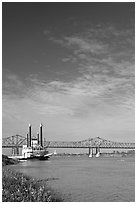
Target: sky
(69, 66)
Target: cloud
(101, 95)
(46, 32)
(12, 83)
(70, 98)
(105, 56)
(102, 45)
(85, 45)
(66, 59)
(75, 108)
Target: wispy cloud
(77, 103)
(85, 45)
(104, 91)
(105, 56)
(65, 98)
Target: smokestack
(29, 135)
(38, 137)
(41, 135)
(27, 140)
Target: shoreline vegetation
(17, 187)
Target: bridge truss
(17, 141)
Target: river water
(83, 179)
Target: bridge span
(17, 141)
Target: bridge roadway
(17, 141)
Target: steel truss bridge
(17, 141)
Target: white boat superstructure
(34, 148)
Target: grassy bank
(7, 161)
(17, 187)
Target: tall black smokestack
(41, 143)
(27, 140)
(38, 137)
(29, 135)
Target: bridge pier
(15, 151)
(97, 151)
(90, 154)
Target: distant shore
(17, 187)
(130, 153)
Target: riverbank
(17, 187)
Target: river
(83, 179)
